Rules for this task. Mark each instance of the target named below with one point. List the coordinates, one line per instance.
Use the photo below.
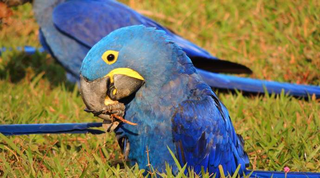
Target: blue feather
(27, 49)
(68, 52)
(26, 129)
(257, 86)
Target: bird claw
(112, 116)
(123, 120)
(109, 125)
(114, 113)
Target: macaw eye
(110, 56)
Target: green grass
(278, 40)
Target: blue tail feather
(26, 129)
(27, 49)
(257, 86)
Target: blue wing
(68, 52)
(204, 136)
(77, 20)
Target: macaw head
(124, 62)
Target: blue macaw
(139, 75)
(60, 33)
(70, 28)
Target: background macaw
(70, 28)
(170, 104)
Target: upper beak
(108, 90)
(94, 92)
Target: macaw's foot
(116, 113)
(110, 126)
(112, 116)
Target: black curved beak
(102, 95)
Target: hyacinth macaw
(73, 27)
(147, 90)
(70, 28)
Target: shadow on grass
(16, 66)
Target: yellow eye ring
(110, 56)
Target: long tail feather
(26, 129)
(275, 174)
(257, 86)
(27, 49)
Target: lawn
(278, 40)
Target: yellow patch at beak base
(108, 101)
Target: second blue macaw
(145, 87)
(70, 28)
